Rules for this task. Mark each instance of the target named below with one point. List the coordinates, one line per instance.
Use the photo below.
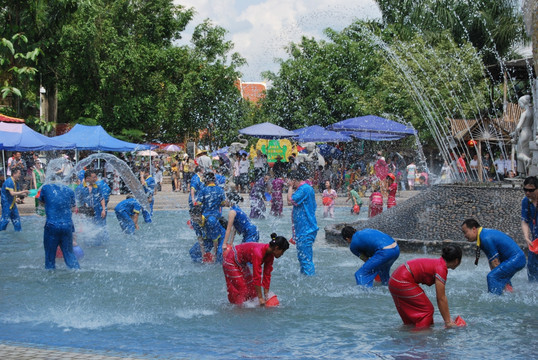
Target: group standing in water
(247, 266)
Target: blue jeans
(379, 263)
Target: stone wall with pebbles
(433, 216)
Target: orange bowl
(272, 301)
(534, 246)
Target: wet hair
(234, 197)
(198, 169)
(451, 252)
(15, 170)
(471, 223)
(196, 210)
(279, 241)
(209, 177)
(129, 196)
(223, 222)
(348, 232)
(531, 180)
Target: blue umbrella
(372, 127)
(328, 151)
(317, 133)
(267, 131)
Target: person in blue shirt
(238, 222)
(127, 212)
(9, 195)
(148, 182)
(304, 224)
(208, 247)
(59, 201)
(212, 198)
(504, 255)
(105, 190)
(196, 185)
(378, 251)
(91, 203)
(529, 223)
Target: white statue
(313, 154)
(523, 134)
(236, 146)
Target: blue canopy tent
(373, 127)
(96, 138)
(317, 133)
(267, 131)
(328, 151)
(19, 137)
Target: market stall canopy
(147, 153)
(96, 138)
(372, 127)
(267, 131)
(11, 119)
(19, 137)
(172, 148)
(317, 133)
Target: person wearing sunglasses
(529, 224)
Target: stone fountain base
(424, 222)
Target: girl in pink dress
(329, 194)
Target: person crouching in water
(377, 249)
(241, 283)
(411, 302)
(375, 207)
(205, 250)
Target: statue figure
(236, 146)
(523, 135)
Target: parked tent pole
(76, 156)
(4, 163)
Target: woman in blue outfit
(148, 182)
(205, 249)
(504, 255)
(238, 222)
(304, 224)
(127, 212)
(378, 251)
(9, 205)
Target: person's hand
(136, 227)
(26, 192)
(450, 324)
(262, 301)
(103, 214)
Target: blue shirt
(105, 189)
(7, 199)
(220, 180)
(130, 206)
(85, 198)
(59, 200)
(529, 215)
(149, 185)
(196, 184)
(304, 210)
(242, 223)
(368, 241)
(497, 244)
(211, 197)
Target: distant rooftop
(251, 91)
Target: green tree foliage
(14, 66)
(494, 27)
(363, 70)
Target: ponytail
(279, 241)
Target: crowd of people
(247, 266)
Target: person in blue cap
(59, 201)
(148, 182)
(378, 251)
(304, 224)
(91, 203)
(504, 255)
(127, 212)
(9, 195)
(238, 222)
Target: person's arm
(494, 263)
(34, 182)
(230, 230)
(15, 193)
(442, 302)
(135, 220)
(290, 193)
(526, 232)
(261, 297)
(103, 208)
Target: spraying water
(130, 180)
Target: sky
(260, 29)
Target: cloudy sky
(261, 28)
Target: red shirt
(425, 271)
(254, 253)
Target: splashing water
(129, 178)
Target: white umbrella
(146, 153)
(172, 148)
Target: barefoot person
(411, 302)
(504, 255)
(243, 284)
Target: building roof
(251, 91)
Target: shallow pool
(142, 296)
